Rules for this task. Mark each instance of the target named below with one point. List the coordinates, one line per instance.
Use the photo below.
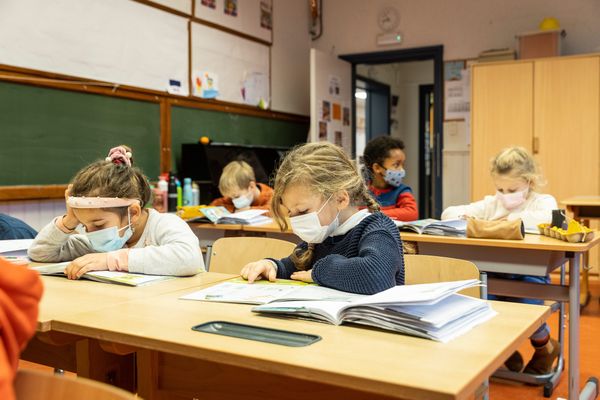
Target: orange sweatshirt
(262, 201)
(20, 293)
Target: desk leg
(574, 326)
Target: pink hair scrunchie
(119, 155)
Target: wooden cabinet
(551, 107)
(502, 115)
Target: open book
(220, 215)
(263, 292)
(451, 227)
(433, 311)
(121, 278)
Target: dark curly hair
(378, 149)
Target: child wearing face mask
(517, 178)
(384, 163)
(344, 246)
(240, 190)
(107, 200)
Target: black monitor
(204, 163)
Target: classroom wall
(464, 27)
(290, 55)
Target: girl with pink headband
(106, 226)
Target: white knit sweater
(537, 209)
(167, 247)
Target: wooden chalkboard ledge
(32, 192)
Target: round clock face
(388, 19)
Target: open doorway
(410, 111)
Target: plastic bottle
(163, 188)
(172, 194)
(179, 193)
(188, 198)
(195, 194)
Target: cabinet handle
(536, 145)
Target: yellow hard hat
(549, 24)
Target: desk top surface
(357, 358)
(530, 242)
(582, 201)
(63, 296)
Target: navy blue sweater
(367, 259)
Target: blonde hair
(518, 163)
(236, 175)
(325, 169)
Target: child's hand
(83, 264)
(69, 221)
(304, 276)
(258, 270)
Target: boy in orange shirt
(240, 190)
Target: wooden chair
(40, 385)
(429, 269)
(229, 255)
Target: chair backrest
(40, 385)
(229, 255)
(430, 269)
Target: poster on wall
(231, 8)
(205, 84)
(255, 90)
(266, 15)
(209, 3)
(457, 91)
(322, 131)
(326, 111)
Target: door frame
(435, 53)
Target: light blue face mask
(108, 239)
(394, 176)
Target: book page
(125, 278)
(51, 269)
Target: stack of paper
(15, 250)
(433, 311)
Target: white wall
(290, 57)
(464, 27)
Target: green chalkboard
(47, 135)
(188, 125)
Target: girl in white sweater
(107, 199)
(516, 177)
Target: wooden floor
(501, 390)
(589, 348)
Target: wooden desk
(535, 255)
(349, 362)
(584, 209)
(93, 359)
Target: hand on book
(259, 269)
(83, 264)
(304, 276)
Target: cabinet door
(567, 128)
(567, 125)
(502, 116)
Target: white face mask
(308, 227)
(510, 201)
(243, 201)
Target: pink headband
(99, 202)
(119, 155)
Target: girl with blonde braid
(344, 246)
